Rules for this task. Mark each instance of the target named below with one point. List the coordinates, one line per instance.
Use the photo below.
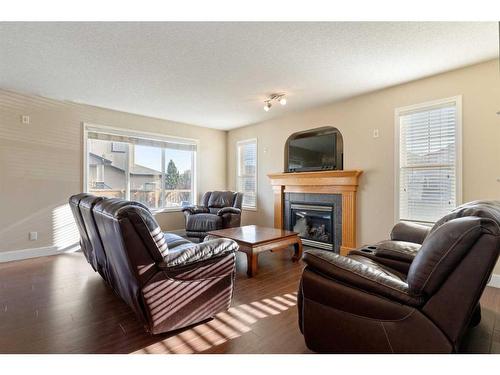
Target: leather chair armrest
(355, 274)
(214, 267)
(191, 253)
(397, 250)
(229, 210)
(409, 232)
(394, 261)
(193, 210)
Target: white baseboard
(495, 281)
(9, 256)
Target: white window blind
(428, 161)
(247, 172)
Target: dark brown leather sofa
(359, 304)
(166, 280)
(218, 210)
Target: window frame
(457, 100)
(238, 144)
(89, 127)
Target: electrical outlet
(33, 236)
(25, 119)
(375, 133)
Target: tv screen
(312, 153)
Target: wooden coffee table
(254, 239)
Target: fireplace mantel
(322, 182)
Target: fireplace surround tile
(332, 200)
(338, 182)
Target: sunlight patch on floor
(226, 326)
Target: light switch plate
(33, 236)
(375, 133)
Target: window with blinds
(247, 172)
(155, 170)
(429, 160)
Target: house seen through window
(157, 172)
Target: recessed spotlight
(283, 101)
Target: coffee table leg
(252, 258)
(297, 250)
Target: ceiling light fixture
(279, 98)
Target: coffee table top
(253, 234)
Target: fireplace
(314, 224)
(316, 217)
(323, 188)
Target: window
(428, 173)
(152, 169)
(246, 174)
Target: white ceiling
(218, 74)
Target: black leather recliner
(218, 210)
(356, 304)
(168, 281)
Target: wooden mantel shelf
(343, 182)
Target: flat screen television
(315, 150)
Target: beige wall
(356, 118)
(41, 165)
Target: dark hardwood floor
(59, 305)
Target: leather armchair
(218, 210)
(168, 281)
(354, 304)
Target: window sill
(429, 224)
(249, 208)
(166, 210)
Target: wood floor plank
(59, 304)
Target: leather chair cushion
(398, 250)
(193, 210)
(187, 253)
(144, 223)
(229, 210)
(443, 249)
(174, 240)
(238, 200)
(361, 273)
(409, 232)
(219, 199)
(203, 222)
(86, 207)
(86, 245)
(486, 209)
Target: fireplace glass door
(314, 224)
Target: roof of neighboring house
(135, 169)
(140, 169)
(99, 158)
